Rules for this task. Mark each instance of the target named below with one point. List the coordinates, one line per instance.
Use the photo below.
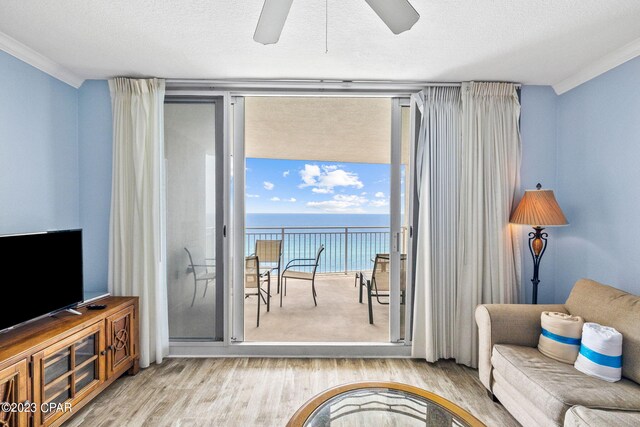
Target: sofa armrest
(517, 324)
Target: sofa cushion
(579, 416)
(608, 306)
(554, 387)
(519, 406)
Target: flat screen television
(41, 273)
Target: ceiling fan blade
(399, 15)
(274, 14)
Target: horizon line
(313, 213)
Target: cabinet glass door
(86, 363)
(57, 377)
(68, 372)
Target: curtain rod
(375, 85)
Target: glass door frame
(411, 216)
(395, 226)
(395, 202)
(239, 163)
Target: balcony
(339, 317)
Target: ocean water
(345, 250)
(323, 220)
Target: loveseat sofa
(540, 391)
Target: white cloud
(278, 199)
(379, 194)
(285, 173)
(340, 178)
(326, 179)
(378, 203)
(268, 185)
(252, 196)
(349, 198)
(321, 190)
(341, 203)
(364, 193)
(309, 175)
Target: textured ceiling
(533, 42)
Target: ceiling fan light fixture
(271, 22)
(398, 15)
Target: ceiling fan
(398, 15)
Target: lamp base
(537, 246)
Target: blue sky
(298, 186)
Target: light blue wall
(585, 145)
(598, 181)
(55, 160)
(39, 174)
(95, 140)
(538, 130)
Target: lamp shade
(538, 208)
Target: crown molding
(24, 53)
(600, 66)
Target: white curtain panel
(438, 170)
(488, 252)
(136, 246)
(467, 167)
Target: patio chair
(378, 284)
(253, 281)
(270, 254)
(290, 272)
(205, 275)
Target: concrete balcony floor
(339, 317)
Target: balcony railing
(347, 249)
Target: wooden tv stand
(52, 367)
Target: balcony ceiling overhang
(327, 129)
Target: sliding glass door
(193, 142)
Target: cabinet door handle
(110, 348)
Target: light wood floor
(266, 392)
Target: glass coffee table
(381, 403)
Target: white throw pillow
(600, 352)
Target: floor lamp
(538, 208)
